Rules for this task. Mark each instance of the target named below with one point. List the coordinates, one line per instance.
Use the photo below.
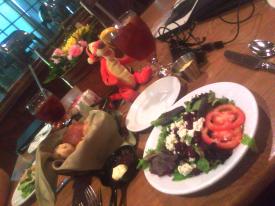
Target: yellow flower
(75, 37)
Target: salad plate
(245, 100)
(24, 189)
(153, 101)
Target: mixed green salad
(196, 138)
(27, 182)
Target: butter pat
(119, 171)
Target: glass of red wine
(134, 38)
(45, 106)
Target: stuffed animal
(114, 72)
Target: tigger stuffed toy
(114, 72)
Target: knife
(249, 61)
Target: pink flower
(56, 60)
(75, 51)
(82, 43)
(58, 52)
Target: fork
(90, 197)
(100, 197)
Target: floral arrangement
(65, 57)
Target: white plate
(243, 99)
(153, 101)
(41, 135)
(17, 198)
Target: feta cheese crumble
(185, 168)
(185, 135)
(197, 125)
(170, 142)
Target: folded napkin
(100, 141)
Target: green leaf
(214, 164)
(162, 138)
(196, 106)
(250, 142)
(27, 189)
(211, 96)
(203, 165)
(150, 151)
(188, 139)
(178, 177)
(156, 122)
(199, 151)
(188, 106)
(176, 118)
(219, 101)
(168, 117)
(143, 164)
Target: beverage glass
(186, 67)
(48, 108)
(133, 37)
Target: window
(40, 22)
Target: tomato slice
(225, 139)
(225, 117)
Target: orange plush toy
(115, 73)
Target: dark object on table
(180, 10)
(179, 48)
(190, 11)
(124, 155)
(25, 139)
(249, 61)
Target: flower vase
(86, 76)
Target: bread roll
(63, 150)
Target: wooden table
(256, 170)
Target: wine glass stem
(161, 70)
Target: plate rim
(175, 79)
(229, 167)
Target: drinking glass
(48, 108)
(134, 38)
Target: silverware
(249, 61)
(63, 184)
(91, 196)
(100, 197)
(113, 199)
(86, 197)
(262, 48)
